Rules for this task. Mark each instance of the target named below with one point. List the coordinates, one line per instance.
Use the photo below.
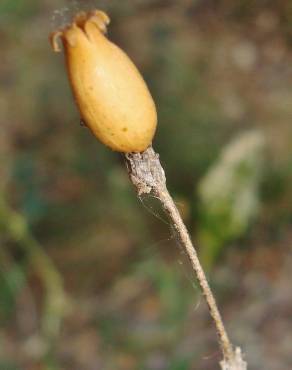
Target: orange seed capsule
(112, 97)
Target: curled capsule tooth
(55, 40)
(80, 19)
(102, 15)
(112, 97)
(101, 25)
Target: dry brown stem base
(147, 175)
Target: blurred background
(90, 276)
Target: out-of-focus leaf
(33, 203)
(11, 282)
(180, 364)
(5, 365)
(229, 196)
(174, 299)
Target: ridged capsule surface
(112, 97)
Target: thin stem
(170, 207)
(147, 175)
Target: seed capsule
(112, 97)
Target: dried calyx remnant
(112, 97)
(115, 103)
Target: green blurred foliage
(85, 280)
(8, 366)
(167, 282)
(11, 283)
(229, 195)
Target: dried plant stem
(147, 175)
(177, 222)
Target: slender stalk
(147, 175)
(171, 209)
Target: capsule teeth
(99, 23)
(98, 17)
(55, 40)
(102, 16)
(80, 19)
